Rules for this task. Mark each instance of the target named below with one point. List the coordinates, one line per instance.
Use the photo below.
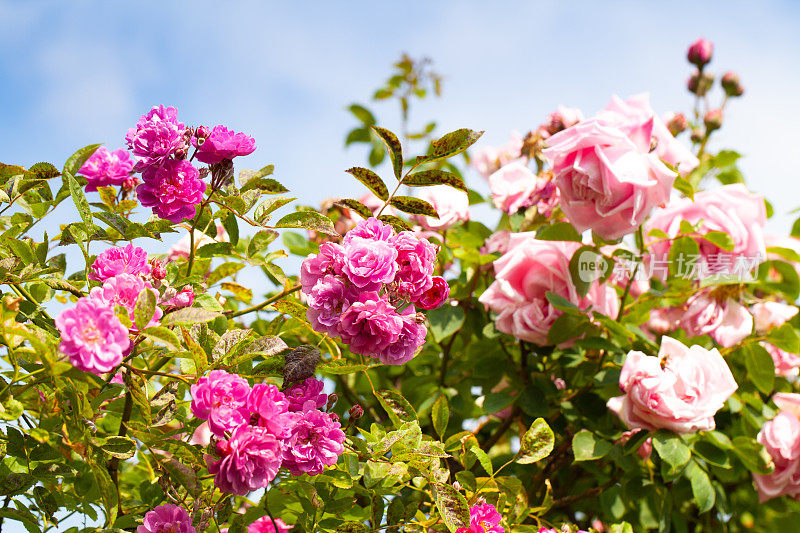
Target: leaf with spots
(394, 147)
(370, 180)
(414, 206)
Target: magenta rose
(156, 137)
(411, 338)
(368, 264)
(512, 187)
(106, 168)
(272, 408)
(224, 144)
(179, 300)
(220, 398)
(316, 441)
(781, 437)
(370, 325)
(328, 299)
(92, 336)
(730, 209)
(679, 390)
(267, 524)
(173, 190)
(525, 274)
(167, 518)
(307, 394)
(370, 229)
(483, 518)
(608, 180)
(250, 459)
(329, 260)
(436, 296)
(117, 260)
(416, 258)
(451, 205)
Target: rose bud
(180, 153)
(731, 85)
(677, 124)
(332, 399)
(435, 296)
(157, 269)
(202, 132)
(713, 120)
(185, 298)
(130, 183)
(697, 135)
(356, 412)
(700, 52)
(699, 83)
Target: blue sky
(79, 72)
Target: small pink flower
(781, 437)
(185, 298)
(699, 52)
(124, 290)
(221, 398)
(483, 518)
(92, 336)
(487, 159)
(250, 459)
(369, 264)
(306, 395)
(173, 190)
(167, 518)
(265, 524)
(316, 441)
(436, 296)
(680, 390)
(156, 137)
(272, 407)
(371, 229)
(106, 168)
(329, 298)
(224, 144)
(512, 187)
(416, 258)
(786, 364)
(117, 260)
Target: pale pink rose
(524, 275)
(769, 314)
(497, 243)
(487, 159)
(731, 209)
(181, 248)
(727, 321)
(450, 204)
(630, 113)
(608, 180)
(781, 437)
(787, 401)
(679, 390)
(512, 187)
(786, 364)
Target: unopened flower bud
(731, 85)
(332, 399)
(157, 269)
(677, 124)
(130, 183)
(180, 153)
(700, 52)
(713, 120)
(699, 83)
(202, 132)
(697, 135)
(334, 417)
(356, 412)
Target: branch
(262, 305)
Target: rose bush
(615, 348)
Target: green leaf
(415, 206)
(394, 147)
(683, 185)
(363, 114)
(397, 223)
(223, 271)
(682, 255)
(308, 220)
(189, 315)
(671, 448)
(356, 206)
(702, 490)
(537, 443)
(262, 212)
(452, 506)
(719, 239)
(753, 455)
(451, 144)
(560, 231)
(397, 407)
(163, 335)
(440, 415)
(267, 185)
(76, 160)
(434, 177)
(785, 337)
(119, 447)
(588, 265)
(760, 366)
(587, 447)
(145, 308)
(79, 199)
(370, 180)
(444, 321)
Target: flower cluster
(260, 429)
(172, 186)
(483, 518)
(364, 290)
(93, 334)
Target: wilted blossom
(272, 408)
(451, 206)
(173, 190)
(249, 460)
(221, 398)
(483, 518)
(92, 336)
(781, 437)
(113, 261)
(167, 518)
(679, 390)
(559, 120)
(124, 290)
(369, 264)
(266, 524)
(416, 259)
(316, 441)
(306, 395)
(434, 297)
(370, 325)
(224, 144)
(106, 168)
(156, 137)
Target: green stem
(20, 290)
(262, 305)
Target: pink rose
(250, 459)
(608, 179)
(781, 437)
(117, 260)
(329, 260)
(679, 390)
(416, 259)
(497, 243)
(92, 336)
(266, 524)
(434, 297)
(629, 114)
(487, 159)
(700, 52)
(316, 441)
(224, 144)
(768, 315)
(368, 263)
(220, 398)
(124, 290)
(730, 209)
(307, 394)
(524, 275)
(786, 364)
(450, 204)
(483, 518)
(512, 187)
(167, 517)
(371, 229)
(106, 168)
